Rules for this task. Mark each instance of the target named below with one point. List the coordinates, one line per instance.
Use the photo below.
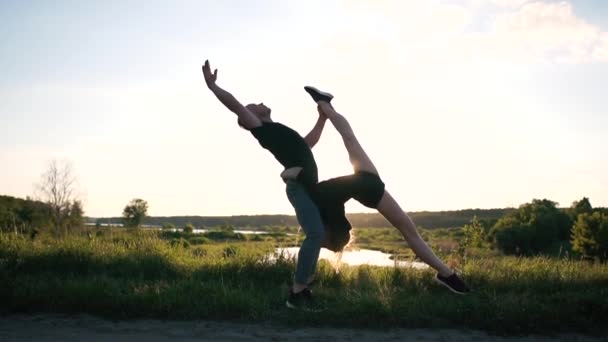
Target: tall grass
(122, 274)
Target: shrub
(230, 251)
(199, 240)
(168, 226)
(189, 228)
(536, 227)
(590, 235)
(199, 252)
(181, 242)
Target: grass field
(154, 274)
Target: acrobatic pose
(306, 194)
(366, 187)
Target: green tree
(168, 226)
(188, 228)
(135, 212)
(580, 207)
(23, 215)
(536, 227)
(75, 216)
(590, 235)
(227, 228)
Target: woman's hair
(338, 240)
(337, 261)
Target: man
(293, 152)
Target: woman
(366, 187)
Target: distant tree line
(540, 227)
(23, 215)
(32, 216)
(426, 219)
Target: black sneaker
(454, 283)
(303, 301)
(318, 95)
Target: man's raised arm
(246, 117)
(312, 138)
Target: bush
(590, 236)
(180, 242)
(514, 239)
(222, 235)
(199, 252)
(189, 228)
(199, 240)
(168, 226)
(256, 237)
(536, 227)
(474, 233)
(228, 228)
(230, 251)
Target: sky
(460, 104)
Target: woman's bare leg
(388, 207)
(356, 154)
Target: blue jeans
(309, 219)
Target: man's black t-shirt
(289, 148)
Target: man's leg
(309, 219)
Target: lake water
(200, 231)
(358, 257)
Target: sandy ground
(88, 328)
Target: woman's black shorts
(365, 187)
(331, 195)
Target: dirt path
(88, 328)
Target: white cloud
(413, 17)
(600, 51)
(514, 31)
(415, 31)
(507, 3)
(547, 31)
